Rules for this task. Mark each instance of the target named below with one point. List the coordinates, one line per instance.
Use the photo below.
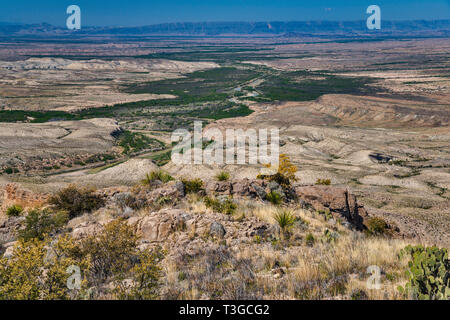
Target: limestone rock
(217, 230)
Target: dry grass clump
(154, 176)
(194, 203)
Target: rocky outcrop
(338, 201)
(244, 188)
(157, 226)
(86, 229)
(124, 200)
(160, 225)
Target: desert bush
(325, 182)
(31, 273)
(428, 273)
(285, 219)
(39, 223)
(145, 277)
(153, 176)
(223, 176)
(376, 226)
(226, 206)
(285, 174)
(14, 211)
(193, 186)
(76, 201)
(286, 168)
(114, 258)
(110, 265)
(112, 251)
(274, 197)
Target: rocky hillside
(239, 239)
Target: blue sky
(144, 12)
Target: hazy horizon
(141, 13)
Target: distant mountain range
(289, 29)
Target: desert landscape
(364, 121)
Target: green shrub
(39, 223)
(428, 273)
(285, 219)
(377, 226)
(325, 182)
(274, 197)
(112, 251)
(32, 274)
(156, 175)
(110, 262)
(10, 170)
(193, 186)
(76, 201)
(114, 256)
(14, 211)
(223, 176)
(226, 206)
(145, 278)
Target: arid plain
(372, 116)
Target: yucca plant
(285, 219)
(274, 197)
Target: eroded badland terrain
(370, 116)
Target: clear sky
(145, 12)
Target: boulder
(338, 201)
(217, 230)
(9, 228)
(172, 189)
(157, 226)
(86, 229)
(9, 249)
